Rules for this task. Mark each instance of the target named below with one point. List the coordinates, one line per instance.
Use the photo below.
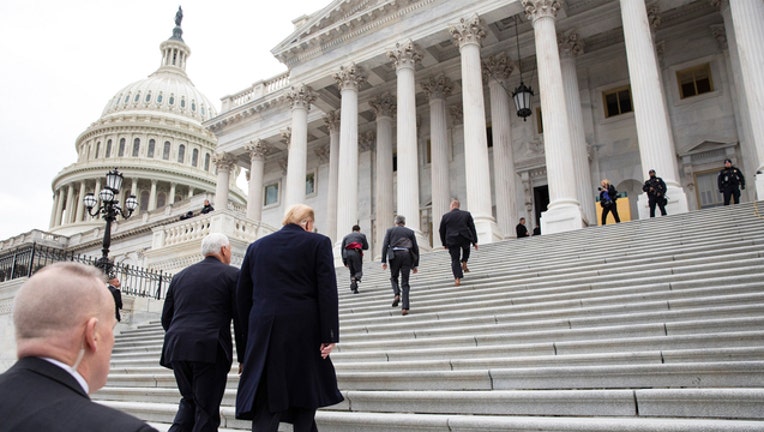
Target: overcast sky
(62, 61)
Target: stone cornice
(331, 28)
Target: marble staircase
(653, 325)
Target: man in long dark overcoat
(287, 292)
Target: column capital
(366, 141)
(257, 149)
(301, 97)
(720, 34)
(438, 86)
(286, 136)
(383, 105)
(570, 43)
(497, 67)
(467, 31)
(405, 55)
(223, 161)
(535, 9)
(350, 77)
(654, 16)
(323, 153)
(332, 120)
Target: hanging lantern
(522, 96)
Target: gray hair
(213, 242)
(400, 220)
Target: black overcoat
(288, 290)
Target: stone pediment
(706, 146)
(337, 22)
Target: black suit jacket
(457, 228)
(400, 236)
(36, 395)
(197, 314)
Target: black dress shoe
(396, 299)
(404, 312)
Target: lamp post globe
(109, 209)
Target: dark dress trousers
(287, 292)
(197, 315)
(457, 233)
(353, 257)
(403, 242)
(36, 395)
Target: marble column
(348, 80)
(405, 57)
(171, 198)
(300, 99)
(468, 35)
(656, 144)
(384, 108)
(57, 219)
(70, 206)
(133, 187)
(571, 46)
(54, 210)
(496, 70)
(438, 88)
(257, 149)
(153, 196)
(332, 122)
(224, 163)
(564, 210)
(80, 207)
(747, 19)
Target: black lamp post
(109, 209)
(522, 94)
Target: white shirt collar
(72, 372)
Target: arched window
(121, 147)
(136, 147)
(161, 199)
(181, 153)
(108, 149)
(166, 151)
(127, 98)
(195, 157)
(98, 149)
(148, 97)
(152, 144)
(182, 102)
(193, 106)
(206, 161)
(159, 98)
(137, 97)
(171, 101)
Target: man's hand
(415, 270)
(475, 246)
(384, 266)
(326, 349)
(241, 368)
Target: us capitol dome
(151, 130)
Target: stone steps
(653, 325)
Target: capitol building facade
(395, 107)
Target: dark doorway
(540, 201)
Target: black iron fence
(136, 281)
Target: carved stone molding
(383, 105)
(467, 31)
(301, 97)
(283, 164)
(498, 67)
(350, 77)
(257, 149)
(535, 9)
(332, 120)
(438, 86)
(654, 16)
(405, 55)
(571, 44)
